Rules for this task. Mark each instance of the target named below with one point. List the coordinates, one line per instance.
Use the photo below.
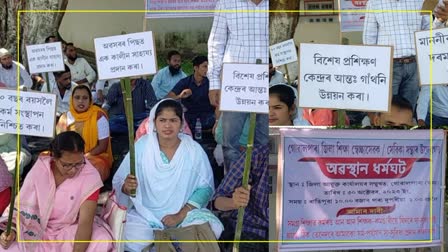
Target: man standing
(8, 72)
(82, 72)
(397, 29)
(193, 92)
(240, 34)
(167, 77)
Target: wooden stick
(127, 99)
(287, 75)
(48, 82)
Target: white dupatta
(164, 188)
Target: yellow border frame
(19, 12)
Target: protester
(92, 124)
(58, 201)
(400, 114)
(275, 76)
(231, 42)
(167, 77)
(5, 186)
(8, 72)
(82, 72)
(62, 87)
(173, 180)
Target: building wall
(186, 34)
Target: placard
(125, 55)
(351, 15)
(161, 8)
(37, 113)
(245, 88)
(345, 77)
(283, 53)
(359, 185)
(439, 58)
(44, 58)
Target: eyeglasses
(70, 166)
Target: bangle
(189, 207)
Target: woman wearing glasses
(92, 124)
(58, 201)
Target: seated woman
(5, 186)
(91, 123)
(58, 201)
(282, 107)
(173, 180)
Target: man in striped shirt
(240, 34)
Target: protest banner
(351, 185)
(44, 58)
(37, 113)
(161, 8)
(125, 55)
(245, 88)
(351, 16)
(438, 41)
(345, 77)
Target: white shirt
(240, 36)
(102, 125)
(9, 76)
(80, 70)
(394, 28)
(277, 78)
(63, 103)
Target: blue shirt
(439, 101)
(198, 101)
(256, 215)
(163, 81)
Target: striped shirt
(240, 35)
(256, 215)
(394, 28)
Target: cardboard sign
(37, 113)
(46, 57)
(125, 55)
(245, 88)
(345, 77)
(435, 63)
(283, 53)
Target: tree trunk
(34, 27)
(282, 25)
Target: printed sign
(435, 63)
(351, 185)
(161, 8)
(351, 15)
(44, 58)
(37, 113)
(345, 77)
(125, 55)
(245, 88)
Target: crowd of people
(174, 181)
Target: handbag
(201, 232)
(114, 214)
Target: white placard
(345, 77)
(161, 8)
(353, 19)
(245, 88)
(125, 55)
(283, 53)
(46, 57)
(37, 113)
(439, 57)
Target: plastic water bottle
(198, 129)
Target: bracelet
(189, 207)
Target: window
(330, 20)
(311, 20)
(317, 20)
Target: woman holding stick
(173, 180)
(58, 200)
(92, 124)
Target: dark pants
(118, 124)
(437, 121)
(229, 235)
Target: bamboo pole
(247, 164)
(47, 81)
(127, 100)
(13, 191)
(287, 75)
